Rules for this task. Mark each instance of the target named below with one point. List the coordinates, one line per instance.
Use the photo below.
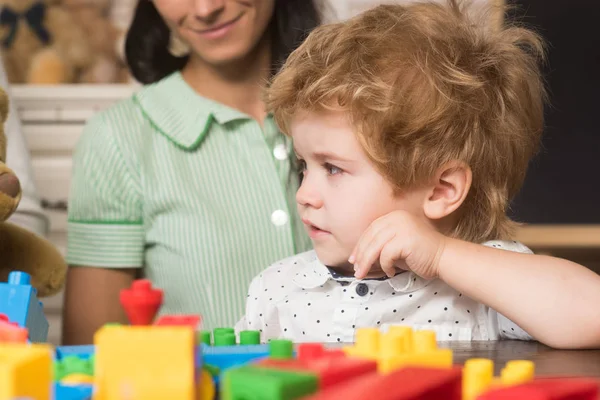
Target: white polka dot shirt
(301, 299)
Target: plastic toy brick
(248, 382)
(10, 332)
(478, 376)
(141, 302)
(400, 347)
(193, 321)
(19, 363)
(330, 367)
(149, 363)
(225, 357)
(72, 392)
(80, 351)
(73, 365)
(77, 379)
(548, 389)
(19, 302)
(402, 384)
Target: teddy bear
(41, 42)
(20, 249)
(102, 37)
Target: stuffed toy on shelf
(102, 36)
(21, 250)
(60, 42)
(41, 42)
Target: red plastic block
(179, 320)
(331, 367)
(402, 384)
(141, 302)
(548, 389)
(11, 332)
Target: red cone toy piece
(141, 302)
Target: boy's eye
(332, 169)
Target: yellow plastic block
(367, 344)
(400, 347)
(517, 372)
(206, 386)
(19, 363)
(77, 379)
(478, 374)
(145, 362)
(441, 358)
(406, 335)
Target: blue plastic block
(18, 300)
(85, 351)
(225, 357)
(72, 392)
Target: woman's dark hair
(146, 45)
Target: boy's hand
(398, 240)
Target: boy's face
(341, 193)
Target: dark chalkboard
(563, 182)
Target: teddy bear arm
(25, 251)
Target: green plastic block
(73, 365)
(251, 383)
(204, 337)
(225, 339)
(249, 337)
(281, 349)
(218, 331)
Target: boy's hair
(425, 84)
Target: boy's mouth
(314, 231)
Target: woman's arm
(92, 300)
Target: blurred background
(559, 205)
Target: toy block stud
(281, 349)
(19, 278)
(141, 302)
(225, 339)
(310, 351)
(478, 374)
(517, 372)
(249, 337)
(204, 337)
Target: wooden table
(548, 362)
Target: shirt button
(280, 152)
(279, 218)
(362, 289)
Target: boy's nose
(307, 196)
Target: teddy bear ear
(3, 105)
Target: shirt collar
(315, 274)
(181, 114)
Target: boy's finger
(366, 260)
(387, 258)
(365, 239)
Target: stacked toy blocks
(19, 305)
(400, 364)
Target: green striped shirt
(197, 193)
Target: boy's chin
(334, 260)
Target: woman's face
(218, 31)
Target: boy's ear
(448, 191)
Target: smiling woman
(189, 182)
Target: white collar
(315, 274)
